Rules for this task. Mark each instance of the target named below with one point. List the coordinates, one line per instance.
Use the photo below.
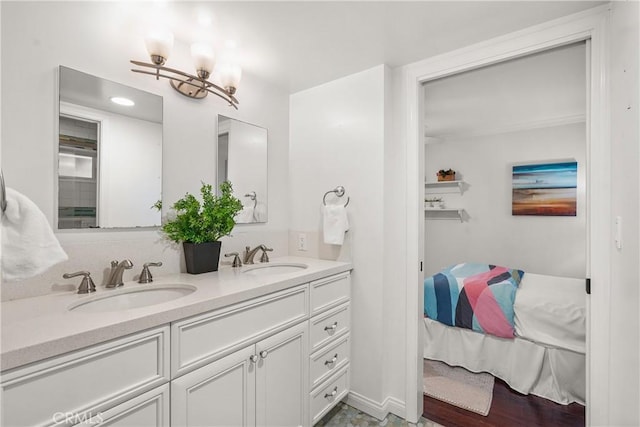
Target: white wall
(100, 38)
(337, 138)
(537, 244)
(625, 159)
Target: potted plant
(200, 226)
(446, 175)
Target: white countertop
(37, 328)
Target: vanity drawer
(87, 381)
(326, 326)
(329, 394)
(329, 360)
(329, 292)
(202, 339)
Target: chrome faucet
(250, 253)
(117, 268)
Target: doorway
(591, 27)
(488, 124)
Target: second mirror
(242, 160)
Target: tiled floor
(344, 415)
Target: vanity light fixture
(196, 86)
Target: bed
(542, 349)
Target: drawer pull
(332, 361)
(332, 394)
(254, 358)
(332, 327)
(264, 354)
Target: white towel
(335, 224)
(29, 246)
(246, 215)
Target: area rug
(459, 387)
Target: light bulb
(204, 59)
(230, 75)
(159, 45)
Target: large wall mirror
(242, 160)
(109, 154)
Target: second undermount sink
(274, 268)
(127, 298)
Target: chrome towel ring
(339, 191)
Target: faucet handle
(145, 276)
(265, 257)
(236, 259)
(86, 285)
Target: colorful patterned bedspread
(473, 296)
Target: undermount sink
(270, 269)
(124, 299)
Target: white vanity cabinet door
(85, 382)
(264, 384)
(150, 409)
(282, 378)
(221, 393)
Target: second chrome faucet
(117, 268)
(250, 253)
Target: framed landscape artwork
(547, 189)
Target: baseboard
(396, 407)
(376, 409)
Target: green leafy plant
(197, 222)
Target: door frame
(592, 25)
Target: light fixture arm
(179, 79)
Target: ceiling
(539, 90)
(301, 44)
(90, 91)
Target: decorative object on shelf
(159, 45)
(199, 226)
(446, 175)
(434, 201)
(547, 189)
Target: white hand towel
(335, 224)
(246, 215)
(29, 246)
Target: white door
(282, 390)
(221, 393)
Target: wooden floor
(508, 408)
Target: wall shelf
(444, 213)
(445, 184)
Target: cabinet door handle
(264, 354)
(254, 358)
(332, 361)
(332, 327)
(332, 394)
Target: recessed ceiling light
(122, 101)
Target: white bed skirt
(529, 368)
